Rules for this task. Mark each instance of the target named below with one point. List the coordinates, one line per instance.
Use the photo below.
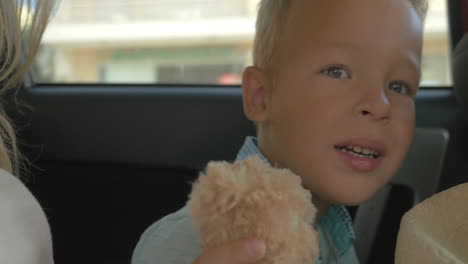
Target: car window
(178, 42)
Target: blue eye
(336, 72)
(399, 87)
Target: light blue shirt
(173, 239)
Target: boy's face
(347, 75)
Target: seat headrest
(460, 71)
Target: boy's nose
(373, 105)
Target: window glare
(179, 42)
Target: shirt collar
(336, 222)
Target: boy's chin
(351, 197)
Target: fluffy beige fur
(251, 199)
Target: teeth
(360, 152)
(357, 149)
(359, 155)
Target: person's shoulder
(171, 240)
(15, 198)
(24, 232)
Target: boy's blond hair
(22, 23)
(272, 15)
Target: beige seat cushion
(436, 230)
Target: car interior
(108, 159)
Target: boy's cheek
(404, 125)
(403, 108)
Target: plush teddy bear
(251, 199)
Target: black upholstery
(114, 160)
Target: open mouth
(360, 152)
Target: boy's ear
(255, 94)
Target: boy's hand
(247, 251)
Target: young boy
(332, 94)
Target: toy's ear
(255, 94)
(217, 190)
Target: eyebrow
(410, 58)
(413, 62)
(340, 45)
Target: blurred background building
(178, 41)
